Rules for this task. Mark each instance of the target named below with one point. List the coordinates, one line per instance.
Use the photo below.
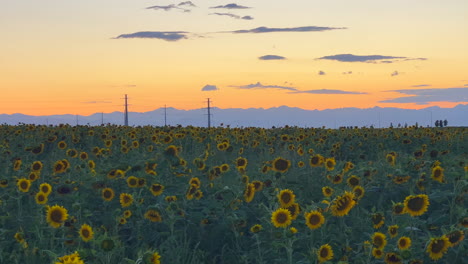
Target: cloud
(231, 6)
(164, 35)
(466, 84)
(395, 73)
(258, 85)
(425, 96)
(321, 73)
(209, 87)
(172, 6)
(97, 102)
(271, 57)
(348, 72)
(187, 3)
(327, 91)
(233, 16)
(367, 58)
(421, 85)
(294, 29)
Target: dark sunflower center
(24, 185)
(454, 236)
(126, 199)
(342, 204)
(286, 197)
(40, 198)
(314, 219)
(324, 253)
(378, 241)
(353, 181)
(36, 166)
(85, 233)
(402, 242)
(377, 218)
(281, 218)
(240, 162)
(329, 164)
(314, 160)
(56, 216)
(107, 194)
(156, 188)
(416, 204)
(281, 164)
(437, 246)
(394, 258)
(132, 182)
(437, 173)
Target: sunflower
(171, 151)
(41, 198)
(353, 181)
(401, 179)
(72, 153)
(86, 232)
(256, 228)
(377, 253)
(281, 165)
(416, 205)
(23, 185)
(358, 191)
(438, 174)
(286, 198)
(127, 214)
(126, 199)
(107, 194)
(62, 145)
(455, 237)
(170, 199)
(258, 185)
(122, 220)
(70, 259)
(156, 189)
(337, 179)
(91, 164)
(195, 181)
(38, 149)
(393, 231)
(153, 215)
(398, 209)
(132, 182)
(343, 204)
(224, 167)
(314, 219)
(198, 194)
(17, 164)
(392, 258)
(325, 253)
(348, 166)
(391, 159)
(377, 220)
(36, 166)
(316, 160)
(189, 195)
(379, 240)
(56, 215)
(294, 209)
(249, 192)
(3, 183)
(33, 176)
(59, 167)
(404, 243)
(281, 218)
(330, 164)
(155, 258)
(327, 191)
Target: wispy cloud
(293, 29)
(179, 6)
(271, 57)
(466, 84)
(425, 96)
(421, 85)
(231, 6)
(395, 73)
(367, 58)
(209, 87)
(258, 85)
(187, 3)
(327, 91)
(233, 16)
(164, 35)
(348, 72)
(321, 73)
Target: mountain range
(260, 117)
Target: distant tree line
(440, 123)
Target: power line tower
(209, 113)
(102, 118)
(126, 111)
(165, 115)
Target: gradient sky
(81, 57)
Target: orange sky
(55, 61)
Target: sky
(82, 57)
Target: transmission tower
(209, 113)
(165, 115)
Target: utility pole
(76, 120)
(165, 115)
(209, 113)
(126, 111)
(102, 118)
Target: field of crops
(113, 194)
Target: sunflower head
(377, 220)
(56, 215)
(330, 164)
(256, 228)
(281, 218)
(392, 258)
(455, 237)
(281, 164)
(327, 191)
(379, 240)
(153, 215)
(249, 192)
(377, 253)
(286, 198)
(126, 199)
(343, 204)
(325, 253)
(437, 247)
(86, 233)
(404, 243)
(107, 194)
(156, 189)
(416, 205)
(314, 219)
(393, 231)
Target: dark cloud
(466, 84)
(395, 73)
(209, 87)
(294, 29)
(271, 57)
(327, 91)
(425, 96)
(187, 3)
(258, 85)
(367, 58)
(348, 72)
(233, 16)
(421, 85)
(231, 6)
(172, 6)
(321, 73)
(165, 8)
(164, 35)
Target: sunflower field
(117, 194)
